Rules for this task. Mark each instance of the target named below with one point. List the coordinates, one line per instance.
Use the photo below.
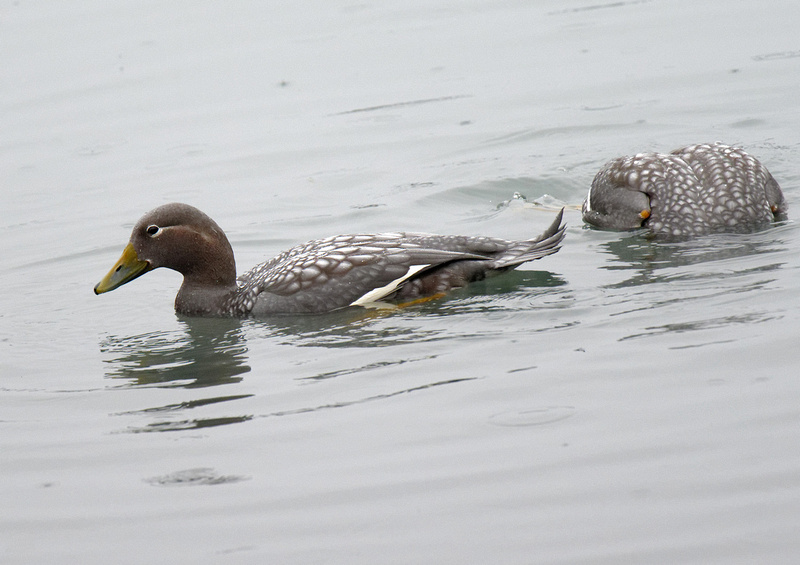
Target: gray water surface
(623, 401)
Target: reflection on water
(207, 352)
(362, 400)
(358, 327)
(188, 424)
(212, 352)
(651, 260)
(173, 425)
(704, 324)
(203, 353)
(366, 367)
(489, 295)
(202, 476)
(710, 282)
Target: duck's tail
(531, 249)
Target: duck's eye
(153, 230)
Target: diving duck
(315, 277)
(693, 190)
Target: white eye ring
(153, 230)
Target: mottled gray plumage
(318, 276)
(693, 190)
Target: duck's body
(693, 190)
(319, 276)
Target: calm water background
(620, 402)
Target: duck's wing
(362, 269)
(341, 271)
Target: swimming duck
(693, 190)
(318, 276)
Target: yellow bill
(125, 270)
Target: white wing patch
(376, 294)
(589, 201)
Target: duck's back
(362, 269)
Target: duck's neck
(209, 277)
(200, 299)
